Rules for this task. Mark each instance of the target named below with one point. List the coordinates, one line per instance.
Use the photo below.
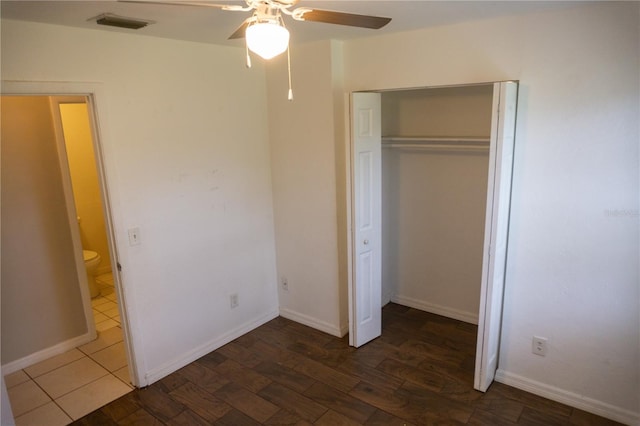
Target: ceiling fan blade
(186, 3)
(239, 33)
(342, 18)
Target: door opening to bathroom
(65, 209)
(74, 133)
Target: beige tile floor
(68, 386)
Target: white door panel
(366, 136)
(496, 229)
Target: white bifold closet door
(365, 259)
(365, 301)
(494, 257)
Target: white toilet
(91, 262)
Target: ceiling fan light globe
(267, 39)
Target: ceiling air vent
(121, 22)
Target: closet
(435, 164)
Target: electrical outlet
(234, 301)
(134, 236)
(539, 345)
(285, 283)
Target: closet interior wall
(434, 197)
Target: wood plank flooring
(419, 372)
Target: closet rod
(431, 139)
(442, 143)
(437, 147)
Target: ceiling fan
(265, 32)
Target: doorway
(79, 168)
(38, 178)
(435, 157)
(365, 257)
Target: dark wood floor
(419, 372)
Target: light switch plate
(134, 236)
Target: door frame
(503, 193)
(93, 94)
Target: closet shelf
(437, 143)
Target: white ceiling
(211, 25)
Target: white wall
(185, 142)
(433, 228)
(306, 165)
(446, 111)
(572, 272)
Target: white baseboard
(445, 311)
(192, 355)
(569, 398)
(47, 353)
(338, 331)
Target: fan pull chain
(290, 96)
(248, 57)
